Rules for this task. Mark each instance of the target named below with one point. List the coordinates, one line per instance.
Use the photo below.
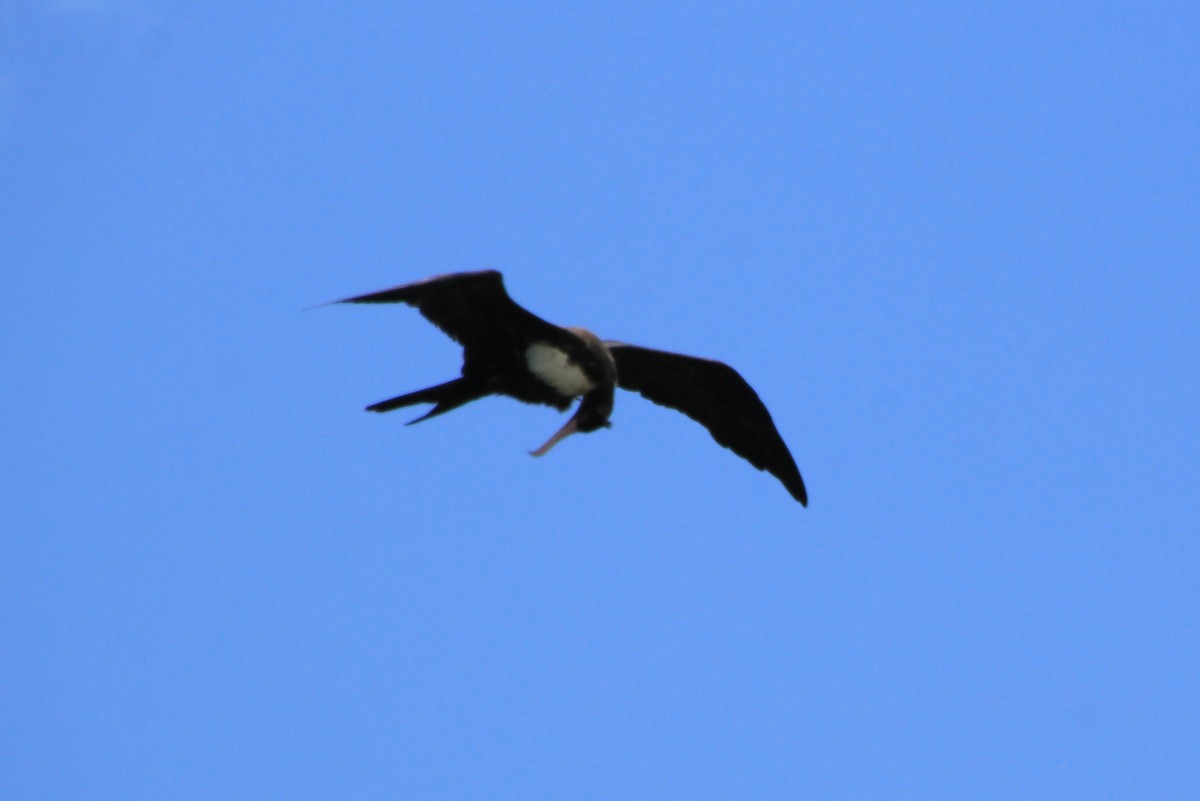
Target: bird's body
(510, 351)
(555, 368)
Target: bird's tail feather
(446, 396)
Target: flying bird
(508, 350)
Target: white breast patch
(551, 366)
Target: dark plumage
(510, 351)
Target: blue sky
(953, 246)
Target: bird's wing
(470, 307)
(716, 396)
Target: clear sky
(954, 246)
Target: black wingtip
(800, 493)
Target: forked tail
(446, 396)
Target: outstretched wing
(717, 397)
(473, 308)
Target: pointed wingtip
(797, 490)
(339, 301)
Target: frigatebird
(508, 350)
